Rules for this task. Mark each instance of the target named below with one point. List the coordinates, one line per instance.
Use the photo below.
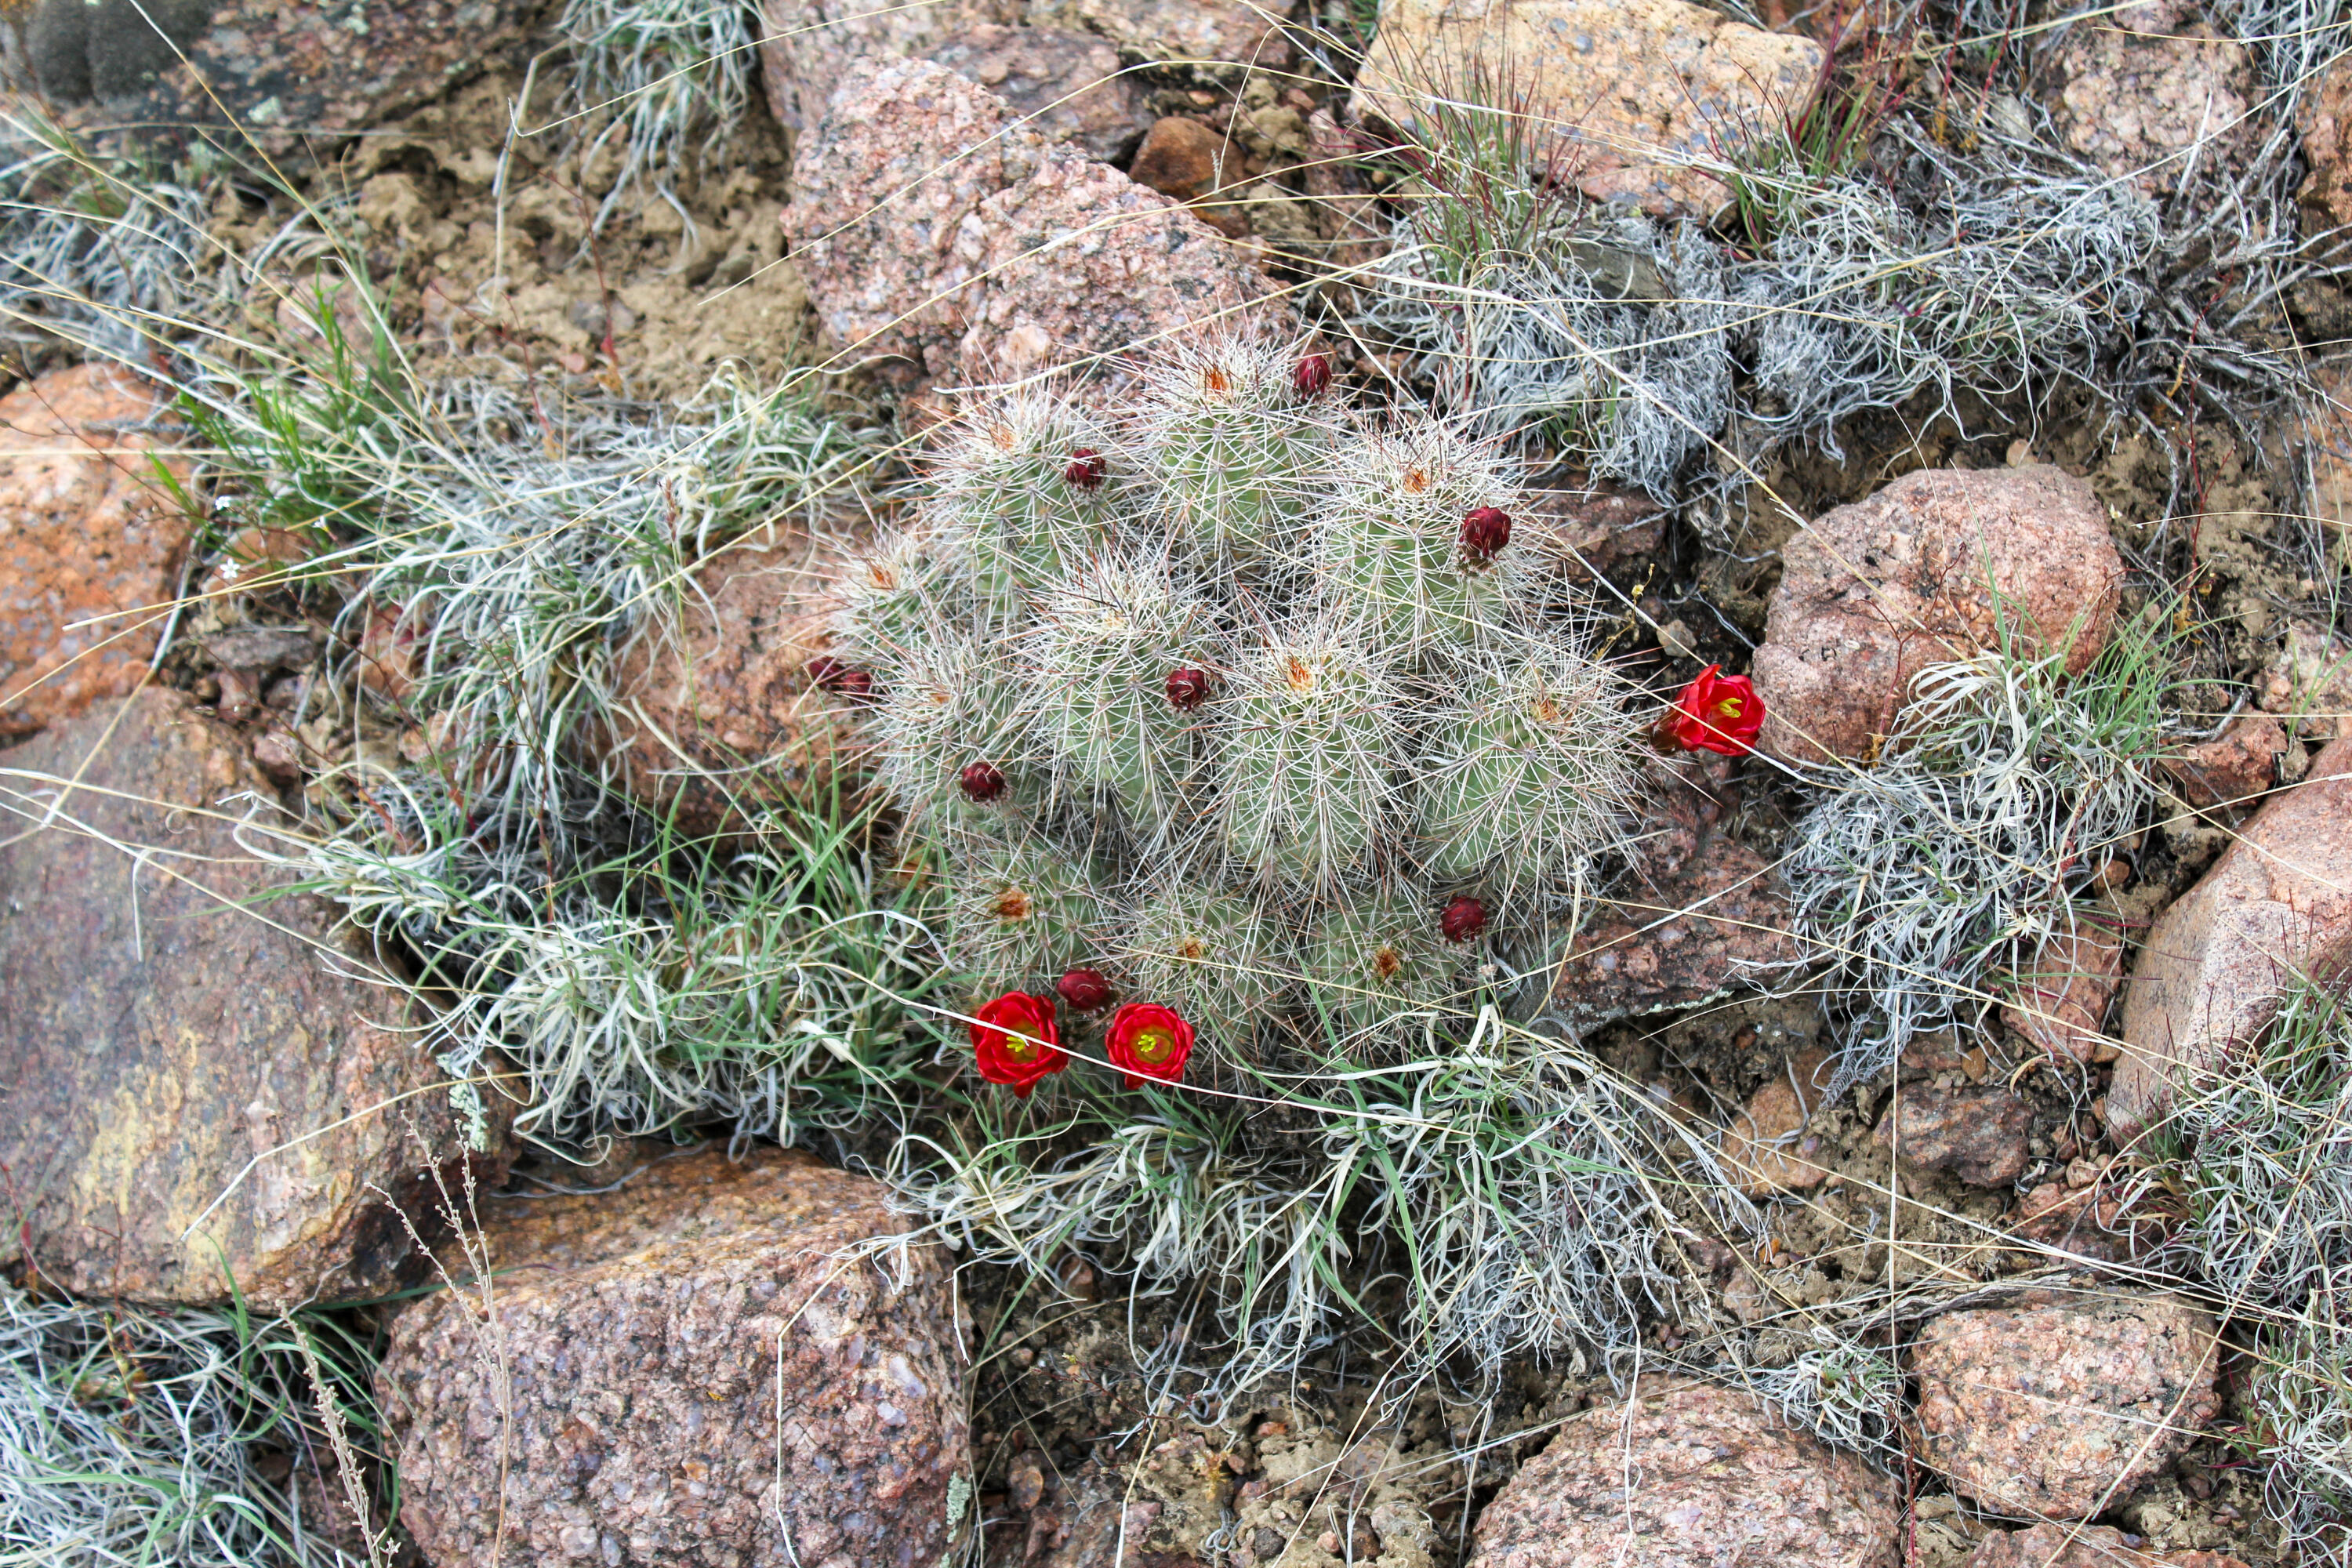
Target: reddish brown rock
(1587, 532)
(1688, 1473)
(2239, 763)
(2277, 904)
(1696, 915)
(2096, 1212)
(189, 1085)
(1062, 84)
(1020, 255)
(724, 717)
(1640, 98)
(2061, 1409)
(2142, 90)
(283, 70)
(1181, 158)
(2048, 1545)
(1767, 1145)
(89, 545)
(2062, 997)
(719, 1364)
(1874, 592)
(1978, 1134)
(2324, 119)
(2309, 681)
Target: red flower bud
(982, 781)
(1015, 1042)
(1716, 712)
(1464, 918)
(1313, 374)
(1187, 689)
(1085, 468)
(1148, 1041)
(835, 674)
(1085, 989)
(1484, 533)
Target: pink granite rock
(1018, 255)
(2062, 1407)
(2062, 995)
(1632, 99)
(2277, 904)
(1874, 592)
(725, 718)
(2239, 763)
(2142, 90)
(1688, 1473)
(719, 1363)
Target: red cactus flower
(1015, 1042)
(1484, 533)
(1716, 712)
(1148, 1041)
(1085, 468)
(982, 781)
(1085, 989)
(1313, 374)
(1187, 689)
(1464, 918)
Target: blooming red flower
(1085, 989)
(1085, 468)
(1716, 712)
(1464, 918)
(1148, 1041)
(982, 781)
(1313, 374)
(1188, 688)
(1013, 1041)
(1484, 533)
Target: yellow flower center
(1153, 1045)
(1729, 707)
(1021, 1047)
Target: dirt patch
(485, 249)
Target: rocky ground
(1936, 1310)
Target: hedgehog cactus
(1243, 703)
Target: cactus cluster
(1260, 707)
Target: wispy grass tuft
(1970, 845)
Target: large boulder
(2276, 905)
(725, 716)
(1924, 572)
(198, 1081)
(2142, 90)
(88, 541)
(1017, 255)
(721, 1364)
(1061, 82)
(284, 71)
(1687, 1473)
(2061, 1407)
(1641, 99)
